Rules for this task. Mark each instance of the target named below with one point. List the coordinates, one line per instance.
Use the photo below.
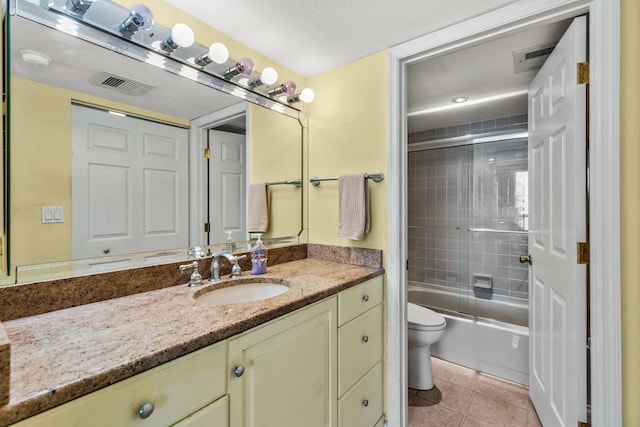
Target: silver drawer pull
(238, 371)
(145, 410)
(365, 338)
(365, 402)
(365, 297)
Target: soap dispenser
(259, 257)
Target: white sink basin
(245, 291)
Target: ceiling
(310, 36)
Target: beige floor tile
(497, 388)
(449, 395)
(456, 374)
(432, 416)
(496, 412)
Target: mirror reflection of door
(130, 184)
(228, 182)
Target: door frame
(604, 201)
(197, 173)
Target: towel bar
(375, 177)
(296, 182)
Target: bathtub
(495, 339)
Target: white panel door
(129, 185)
(557, 168)
(165, 186)
(227, 186)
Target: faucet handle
(236, 270)
(196, 278)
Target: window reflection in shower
(468, 219)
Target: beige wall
(278, 142)
(41, 166)
(630, 209)
(348, 134)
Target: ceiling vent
(532, 58)
(120, 84)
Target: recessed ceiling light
(33, 57)
(460, 99)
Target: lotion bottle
(259, 257)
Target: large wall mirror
(104, 172)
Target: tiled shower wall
(468, 215)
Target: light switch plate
(52, 214)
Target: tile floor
(463, 397)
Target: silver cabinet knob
(238, 371)
(145, 410)
(106, 251)
(365, 402)
(365, 298)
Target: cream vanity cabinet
(188, 391)
(283, 373)
(360, 353)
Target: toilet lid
(422, 318)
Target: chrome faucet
(196, 278)
(236, 270)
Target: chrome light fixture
(79, 7)
(268, 77)
(307, 95)
(243, 66)
(217, 53)
(288, 88)
(181, 36)
(140, 18)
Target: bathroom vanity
(310, 356)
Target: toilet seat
(423, 319)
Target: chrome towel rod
(375, 177)
(296, 182)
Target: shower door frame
(605, 374)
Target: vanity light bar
(179, 44)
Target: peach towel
(258, 208)
(354, 206)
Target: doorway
(604, 200)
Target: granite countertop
(62, 355)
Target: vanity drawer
(215, 414)
(355, 301)
(362, 406)
(176, 389)
(360, 346)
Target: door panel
(227, 181)
(129, 186)
(557, 134)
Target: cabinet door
(283, 374)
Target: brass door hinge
(583, 253)
(582, 73)
(581, 424)
(207, 227)
(207, 153)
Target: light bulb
(140, 18)
(307, 95)
(181, 36)
(287, 88)
(268, 77)
(243, 66)
(217, 53)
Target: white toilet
(425, 327)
